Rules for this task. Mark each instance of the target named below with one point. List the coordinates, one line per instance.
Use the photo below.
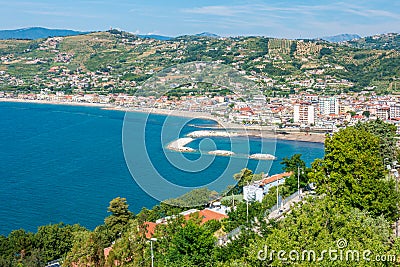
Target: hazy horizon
(284, 19)
(191, 34)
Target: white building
(304, 113)
(328, 105)
(383, 112)
(395, 111)
(253, 193)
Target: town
(303, 112)
(303, 85)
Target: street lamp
(151, 249)
(277, 194)
(298, 179)
(396, 175)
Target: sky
(279, 18)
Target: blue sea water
(65, 163)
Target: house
(274, 180)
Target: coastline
(249, 130)
(63, 103)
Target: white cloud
(60, 14)
(215, 10)
(280, 11)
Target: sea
(61, 163)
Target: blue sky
(289, 19)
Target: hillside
(119, 61)
(35, 33)
(341, 38)
(387, 41)
(156, 37)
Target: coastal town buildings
(304, 113)
(297, 112)
(328, 105)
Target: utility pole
(233, 202)
(277, 195)
(396, 175)
(151, 249)
(397, 205)
(152, 254)
(247, 210)
(298, 180)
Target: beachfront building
(304, 113)
(328, 105)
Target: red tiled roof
(358, 117)
(275, 177)
(150, 228)
(207, 215)
(245, 109)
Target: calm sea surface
(65, 163)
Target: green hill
(280, 66)
(389, 41)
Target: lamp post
(298, 180)
(395, 172)
(396, 175)
(151, 249)
(247, 210)
(277, 195)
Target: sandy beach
(249, 130)
(83, 104)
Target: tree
(21, 243)
(386, 133)
(120, 216)
(352, 172)
(238, 216)
(366, 113)
(55, 240)
(6, 251)
(295, 164)
(192, 246)
(269, 199)
(325, 51)
(195, 198)
(317, 225)
(87, 250)
(131, 248)
(244, 177)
